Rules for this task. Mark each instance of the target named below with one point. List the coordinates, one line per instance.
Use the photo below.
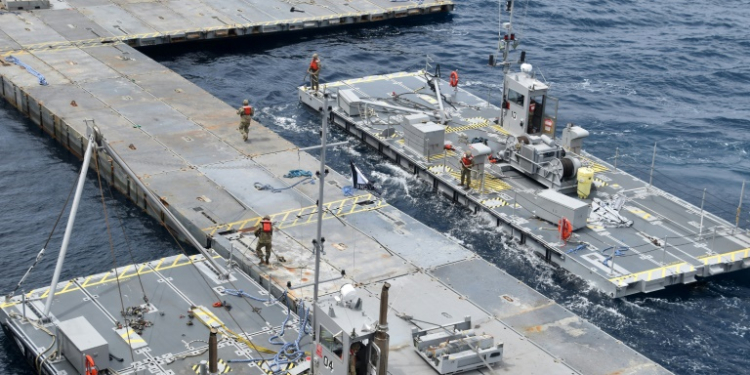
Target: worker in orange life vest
(264, 232)
(314, 72)
(467, 162)
(246, 113)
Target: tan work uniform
(246, 114)
(466, 164)
(264, 232)
(314, 71)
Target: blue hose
(298, 173)
(15, 60)
(260, 186)
(290, 352)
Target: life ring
(454, 79)
(90, 366)
(565, 228)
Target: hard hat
(245, 102)
(467, 153)
(315, 55)
(266, 217)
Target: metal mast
(69, 227)
(505, 40)
(504, 44)
(318, 241)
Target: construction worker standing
(246, 114)
(264, 232)
(314, 72)
(467, 162)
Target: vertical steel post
(700, 227)
(513, 219)
(213, 353)
(664, 252)
(231, 254)
(713, 240)
(203, 367)
(445, 159)
(481, 182)
(617, 154)
(739, 207)
(382, 338)
(653, 162)
(69, 227)
(318, 242)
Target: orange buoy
(454, 79)
(565, 228)
(90, 366)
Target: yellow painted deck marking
(472, 125)
(645, 215)
(736, 255)
(212, 321)
(500, 129)
(494, 202)
(449, 154)
(598, 168)
(124, 271)
(176, 260)
(90, 281)
(127, 336)
(306, 215)
(490, 182)
(681, 267)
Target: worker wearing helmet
(314, 72)
(467, 162)
(246, 113)
(264, 232)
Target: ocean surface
(633, 73)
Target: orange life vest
(466, 162)
(248, 110)
(314, 65)
(266, 226)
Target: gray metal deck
(646, 265)
(79, 23)
(183, 144)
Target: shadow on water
(258, 43)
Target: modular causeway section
(167, 136)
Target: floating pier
(635, 237)
(175, 151)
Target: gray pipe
(213, 353)
(381, 334)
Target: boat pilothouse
(525, 103)
(529, 117)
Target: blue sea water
(631, 72)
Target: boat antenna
(508, 39)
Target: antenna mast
(509, 37)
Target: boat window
(332, 343)
(536, 112)
(515, 97)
